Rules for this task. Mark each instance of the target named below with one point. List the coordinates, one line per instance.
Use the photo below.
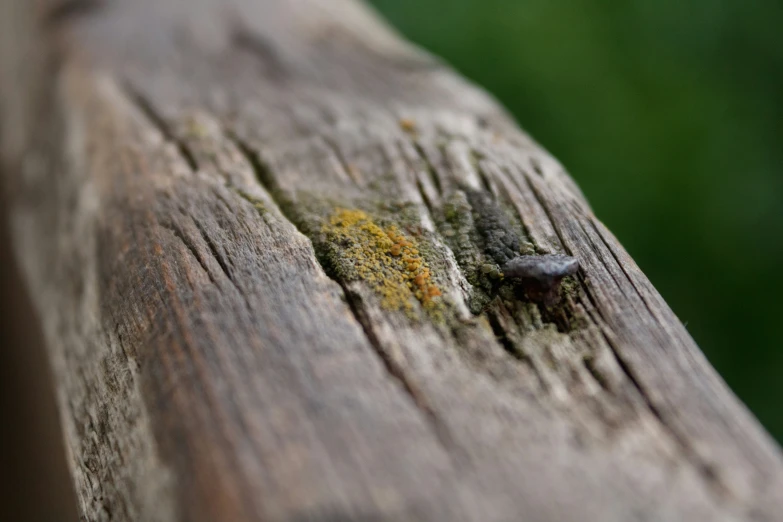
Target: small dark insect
(541, 275)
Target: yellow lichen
(408, 125)
(383, 257)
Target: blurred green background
(669, 114)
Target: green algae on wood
(458, 228)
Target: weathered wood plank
(230, 189)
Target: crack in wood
(222, 259)
(501, 329)
(511, 346)
(400, 146)
(215, 253)
(67, 10)
(596, 373)
(596, 245)
(705, 469)
(191, 247)
(426, 200)
(622, 267)
(503, 338)
(536, 165)
(547, 211)
(502, 174)
(266, 53)
(394, 370)
(347, 168)
(159, 122)
(487, 183)
(428, 166)
(262, 171)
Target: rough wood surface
(206, 198)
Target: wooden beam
(266, 243)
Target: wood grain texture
(230, 345)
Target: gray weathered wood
(190, 180)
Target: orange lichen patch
(385, 258)
(408, 125)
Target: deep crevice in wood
(159, 122)
(594, 244)
(547, 211)
(486, 182)
(340, 157)
(263, 174)
(440, 429)
(215, 253)
(257, 46)
(67, 10)
(426, 200)
(429, 167)
(503, 193)
(152, 114)
(598, 376)
(622, 268)
(148, 110)
(419, 182)
(191, 247)
(695, 460)
(503, 337)
(536, 165)
(704, 468)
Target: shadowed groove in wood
(217, 255)
(63, 11)
(425, 198)
(188, 242)
(395, 370)
(486, 181)
(429, 167)
(264, 177)
(146, 108)
(704, 467)
(158, 121)
(262, 50)
(504, 338)
(267, 179)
